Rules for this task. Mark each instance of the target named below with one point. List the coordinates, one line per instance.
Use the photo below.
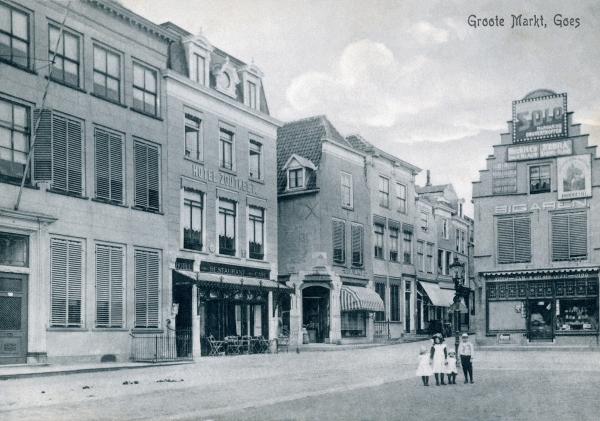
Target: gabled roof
(301, 160)
(361, 144)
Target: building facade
(79, 268)
(324, 241)
(536, 248)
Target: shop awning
(360, 299)
(216, 281)
(439, 297)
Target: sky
(412, 77)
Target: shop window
(255, 160)
(109, 286)
(14, 140)
(14, 36)
(67, 62)
(109, 165)
(227, 228)
(147, 288)
(14, 249)
(146, 159)
(384, 192)
(194, 144)
(226, 149)
(357, 234)
(346, 190)
(401, 196)
(339, 242)
(256, 232)
(395, 303)
(145, 89)
(393, 244)
(380, 289)
(378, 246)
(354, 324)
(192, 219)
(569, 236)
(107, 74)
(577, 315)
(539, 179)
(66, 282)
(513, 239)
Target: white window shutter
(578, 235)
(147, 289)
(116, 168)
(42, 149)
(75, 158)
(153, 178)
(102, 286)
(59, 153)
(102, 165)
(140, 174)
(58, 282)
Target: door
(182, 295)
(540, 320)
(13, 318)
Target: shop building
(324, 234)
(221, 205)
(79, 267)
(391, 183)
(536, 207)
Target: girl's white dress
(451, 367)
(438, 358)
(424, 368)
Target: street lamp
(457, 271)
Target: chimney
(428, 178)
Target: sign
(539, 150)
(574, 177)
(234, 270)
(504, 177)
(504, 338)
(540, 118)
(524, 207)
(224, 179)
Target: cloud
(426, 33)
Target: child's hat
(465, 335)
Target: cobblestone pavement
(374, 383)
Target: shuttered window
(109, 166)
(66, 269)
(109, 286)
(147, 175)
(147, 288)
(357, 234)
(569, 236)
(58, 153)
(339, 241)
(514, 239)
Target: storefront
(357, 305)
(543, 305)
(438, 311)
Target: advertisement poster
(540, 118)
(574, 177)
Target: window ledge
(358, 266)
(18, 183)
(193, 251)
(228, 256)
(18, 66)
(60, 82)
(120, 104)
(195, 161)
(227, 170)
(66, 329)
(257, 180)
(110, 329)
(69, 194)
(154, 116)
(141, 209)
(349, 208)
(147, 330)
(250, 259)
(109, 202)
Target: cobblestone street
(374, 383)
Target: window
(429, 258)
(420, 259)
(109, 166)
(539, 179)
(66, 274)
(445, 231)
(378, 229)
(14, 36)
(227, 229)
(407, 247)
(514, 239)
(14, 140)
(357, 233)
(401, 195)
(577, 314)
(424, 221)
(448, 261)
(66, 67)
(252, 95)
(146, 176)
(380, 289)
(457, 240)
(194, 145)
(145, 89)
(109, 286)
(339, 241)
(394, 244)
(147, 288)
(226, 149)
(107, 74)
(192, 219)
(255, 160)
(296, 178)
(14, 249)
(200, 75)
(440, 262)
(58, 155)
(346, 189)
(384, 192)
(256, 232)
(354, 323)
(569, 236)
(395, 303)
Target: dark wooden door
(13, 318)
(541, 319)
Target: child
(424, 368)
(466, 350)
(451, 370)
(438, 356)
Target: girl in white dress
(451, 370)
(438, 356)
(424, 368)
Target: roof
(440, 188)
(304, 138)
(361, 144)
(301, 160)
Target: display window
(354, 324)
(576, 315)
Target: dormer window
(251, 77)
(296, 178)
(198, 51)
(199, 74)
(252, 95)
(296, 169)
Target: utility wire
(39, 117)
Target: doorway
(13, 318)
(315, 312)
(540, 320)
(182, 295)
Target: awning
(360, 299)
(439, 297)
(216, 281)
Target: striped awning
(360, 299)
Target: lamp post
(457, 271)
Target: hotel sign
(540, 118)
(224, 179)
(539, 150)
(574, 177)
(524, 207)
(234, 270)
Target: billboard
(574, 177)
(504, 178)
(540, 118)
(539, 150)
